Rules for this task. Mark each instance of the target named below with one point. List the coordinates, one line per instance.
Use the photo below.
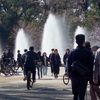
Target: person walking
(31, 62)
(94, 89)
(65, 59)
(52, 69)
(39, 64)
(24, 56)
(56, 62)
(45, 63)
(83, 58)
(19, 59)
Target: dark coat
(47, 60)
(10, 55)
(65, 57)
(56, 60)
(19, 57)
(82, 55)
(56, 63)
(31, 59)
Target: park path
(47, 88)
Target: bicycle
(65, 78)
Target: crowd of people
(39, 61)
(83, 56)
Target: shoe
(25, 78)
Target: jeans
(39, 69)
(44, 70)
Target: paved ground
(47, 88)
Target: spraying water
(79, 30)
(21, 42)
(54, 35)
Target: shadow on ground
(38, 92)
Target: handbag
(80, 68)
(39, 63)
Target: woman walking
(45, 63)
(56, 62)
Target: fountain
(21, 42)
(54, 35)
(79, 30)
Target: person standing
(52, 69)
(45, 63)
(65, 59)
(78, 81)
(56, 62)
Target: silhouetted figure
(56, 62)
(4, 57)
(31, 62)
(9, 56)
(78, 80)
(19, 59)
(52, 69)
(65, 59)
(39, 64)
(24, 56)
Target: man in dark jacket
(19, 59)
(82, 55)
(52, 69)
(9, 56)
(65, 59)
(30, 62)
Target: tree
(12, 11)
(34, 13)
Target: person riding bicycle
(4, 57)
(9, 56)
(30, 63)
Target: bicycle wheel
(65, 79)
(28, 80)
